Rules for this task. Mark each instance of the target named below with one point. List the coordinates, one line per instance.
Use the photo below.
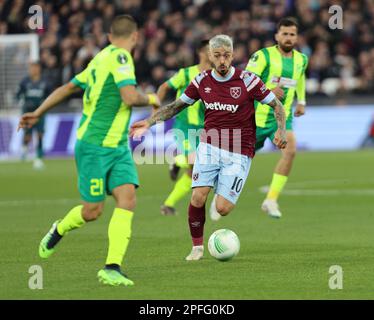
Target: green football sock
(181, 188)
(39, 150)
(72, 220)
(276, 186)
(119, 233)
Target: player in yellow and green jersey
(282, 69)
(103, 158)
(190, 119)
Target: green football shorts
(268, 132)
(102, 169)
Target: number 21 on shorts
(97, 187)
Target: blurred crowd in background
(74, 31)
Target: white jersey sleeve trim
(186, 99)
(270, 97)
(253, 84)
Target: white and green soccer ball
(223, 244)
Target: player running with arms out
(103, 158)
(224, 155)
(282, 69)
(188, 119)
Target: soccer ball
(223, 244)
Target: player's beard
(222, 72)
(287, 46)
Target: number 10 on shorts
(97, 187)
(237, 185)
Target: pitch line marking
(61, 201)
(323, 192)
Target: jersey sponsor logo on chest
(35, 93)
(221, 106)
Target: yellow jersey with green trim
(105, 119)
(193, 115)
(274, 69)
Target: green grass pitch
(328, 219)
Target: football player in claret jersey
(282, 69)
(103, 158)
(227, 143)
(190, 118)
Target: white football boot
(197, 253)
(38, 164)
(214, 215)
(271, 208)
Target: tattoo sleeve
(167, 111)
(280, 115)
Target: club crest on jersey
(235, 92)
(121, 58)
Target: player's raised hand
(299, 110)
(28, 120)
(139, 128)
(280, 139)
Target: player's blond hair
(221, 40)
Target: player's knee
(91, 213)
(223, 209)
(129, 203)
(290, 154)
(198, 199)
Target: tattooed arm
(162, 114)
(167, 112)
(280, 139)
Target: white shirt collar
(225, 78)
